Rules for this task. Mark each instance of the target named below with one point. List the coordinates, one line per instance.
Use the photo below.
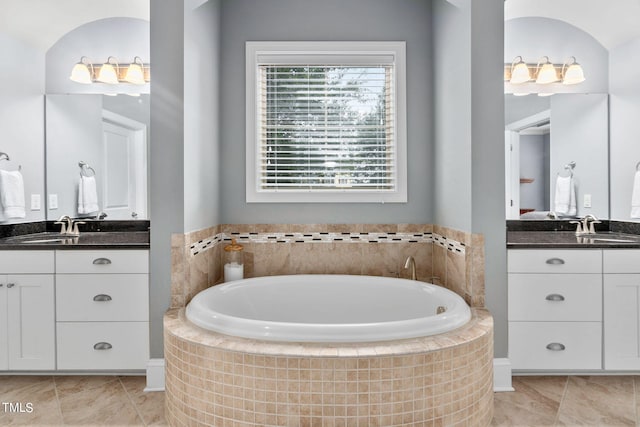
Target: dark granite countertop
(568, 239)
(88, 240)
(93, 235)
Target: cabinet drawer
(101, 345)
(102, 297)
(555, 345)
(555, 297)
(621, 261)
(27, 262)
(102, 261)
(554, 261)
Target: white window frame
(368, 53)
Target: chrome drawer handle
(102, 346)
(555, 346)
(554, 297)
(102, 297)
(555, 261)
(10, 285)
(102, 261)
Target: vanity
(573, 300)
(75, 303)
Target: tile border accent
(327, 237)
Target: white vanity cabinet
(555, 309)
(27, 311)
(102, 308)
(621, 309)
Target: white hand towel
(565, 200)
(12, 194)
(635, 196)
(87, 195)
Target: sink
(37, 238)
(613, 237)
(45, 240)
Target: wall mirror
(101, 139)
(557, 141)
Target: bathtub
(328, 308)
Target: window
(326, 122)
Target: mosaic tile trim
(325, 237)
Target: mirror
(556, 146)
(96, 155)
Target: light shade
(135, 73)
(572, 72)
(82, 72)
(519, 71)
(546, 72)
(546, 94)
(108, 72)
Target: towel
(635, 196)
(87, 195)
(565, 201)
(12, 194)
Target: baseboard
(502, 375)
(155, 375)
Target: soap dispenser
(233, 261)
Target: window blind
(323, 127)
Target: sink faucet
(588, 226)
(69, 227)
(552, 215)
(411, 263)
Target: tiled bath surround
(219, 380)
(451, 258)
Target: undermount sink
(37, 238)
(613, 237)
(46, 240)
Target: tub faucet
(411, 263)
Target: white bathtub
(327, 308)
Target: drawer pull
(555, 346)
(554, 297)
(102, 346)
(102, 297)
(10, 285)
(555, 261)
(101, 261)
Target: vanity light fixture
(546, 72)
(572, 72)
(108, 72)
(82, 72)
(136, 72)
(546, 93)
(519, 71)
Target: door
(124, 184)
(31, 322)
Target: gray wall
(579, 133)
(22, 117)
(469, 136)
(624, 101)
(533, 38)
(244, 20)
(122, 38)
(74, 133)
(201, 115)
(166, 155)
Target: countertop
(567, 239)
(86, 240)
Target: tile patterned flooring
(121, 401)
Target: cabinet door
(4, 361)
(621, 314)
(31, 322)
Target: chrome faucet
(69, 227)
(588, 227)
(411, 263)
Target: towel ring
(86, 170)
(4, 156)
(570, 166)
(638, 166)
